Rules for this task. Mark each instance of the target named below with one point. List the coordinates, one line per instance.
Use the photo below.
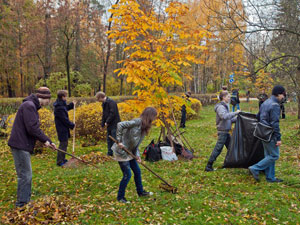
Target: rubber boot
(209, 167)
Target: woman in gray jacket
(130, 134)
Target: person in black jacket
(110, 118)
(183, 109)
(26, 130)
(62, 124)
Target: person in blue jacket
(269, 114)
(62, 124)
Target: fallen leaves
(47, 210)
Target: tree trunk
(21, 62)
(48, 49)
(298, 97)
(68, 68)
(78, 45)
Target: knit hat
(43, 92)
(277, 90)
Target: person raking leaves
(130, 134)
(25, 131)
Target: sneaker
(276, 180)
(123, 200)
(209, 167)
(254, 174)
(145, 193)
(63, 163)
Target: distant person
(282, 108)
(110, 118)
(25, 131)
(235, 100)
(62, 124)
(183, 110)
(224, 119)
(130, 134)
(262, 97)
(269, 114)
(247, 96)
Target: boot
(209, 167)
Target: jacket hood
(59, 102)
(219, 104)
(33, 98)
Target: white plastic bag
(167, 153)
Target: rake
(165, 185)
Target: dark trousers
(223, 139)
(24, 173)
(126, 168)
(111, 132)
(183, 117)
(63, 145)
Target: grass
(226, 196)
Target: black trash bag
(152, 152)
(244, 150)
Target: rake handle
(144, 165)
(88, 163)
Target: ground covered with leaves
(86, 195)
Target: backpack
(152, 152)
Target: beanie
(277, 90)
(43, 92)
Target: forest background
(69, 45)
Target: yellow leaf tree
(157, 53)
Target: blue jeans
(24, 173)
(271, 152)
(112, 132)
(223, 139)
(126, 168)
(237, 107)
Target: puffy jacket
(62, 122)
(269, 114)
(224, 118)
(26, 128)
(110, 114)
(129, 133)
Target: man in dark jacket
(235, 100)
(110, 118)
(26, 130)
(183, 109)
(269, 114)
(62, 124)
(224, 119)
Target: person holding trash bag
(269, 115)
(130, 134)
(25, 131)
(110, 118)
(62, 124)
(224, 119)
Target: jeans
(113, 133)
(223, 139)
(271, 152)
(237, 107)
(63, 145)
(126, 168)
(24, 173)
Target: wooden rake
(165, 185)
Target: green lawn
(225, 196)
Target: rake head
(168, 188)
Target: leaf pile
(96, 157)
(48, 210)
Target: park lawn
(225, 196)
